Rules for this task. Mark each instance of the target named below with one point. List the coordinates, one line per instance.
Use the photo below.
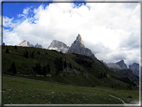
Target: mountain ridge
(58, 46)
(25, 43)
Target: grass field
(22, 91)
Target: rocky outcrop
(58, 46)
(122, 64)
(119, 65)
(79, 48)
(121, 68)
(113, 65)
(38, 46)
(135, 68)
(25, 43)
(126, 73)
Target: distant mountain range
(121, 66)
(25, 43)
(79, 48)
(76, 47)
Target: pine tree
(7, 51)
(44, 71)
(65, 64)
(111, 86)
(130, 87)
(38, 52)
(70, 66)
(104, 75)
(48, 68)
(39, 69)
(15, 47)
(32, 55)
(60, 64)
(56, 63)
(13, 68)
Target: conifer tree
(48, 68)
(7, 50)
(15, 47)
(61, 64)
(65, 64)
(26, 55)
(44, 71)
(39, 69)
(13, 68)
(38, 52)
(70, 65)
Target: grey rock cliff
(122, 64)
(119, 65)
(135, 68)
(79, 48)
(58, 46)
(38, 46)
(25, 43)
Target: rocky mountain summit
(119, 65)
(25, 43)
(135, 68)
(121, 68)
(79, 48)
(58, 46)
(122, 64)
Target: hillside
(50, 65)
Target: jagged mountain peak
(78, 38)
(58, 46)
(122, 64)
(79, 48)
(119, 65)
(135, 68)
(121, 61)
(25, 43)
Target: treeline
(60, 65)
(41, 70)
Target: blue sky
(108, 29)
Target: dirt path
(117, 98)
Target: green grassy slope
(84, 71)
(22, 91)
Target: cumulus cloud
(110, 30)
(131, 42)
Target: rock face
(126, 73)
(25, 43)
(121, 68)
(113, 65)
(135, 68)
(79, 48)
(122, 64)
(119, 65)
(38, 46)
(58, 46)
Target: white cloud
(103, 27)
(25, 12)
